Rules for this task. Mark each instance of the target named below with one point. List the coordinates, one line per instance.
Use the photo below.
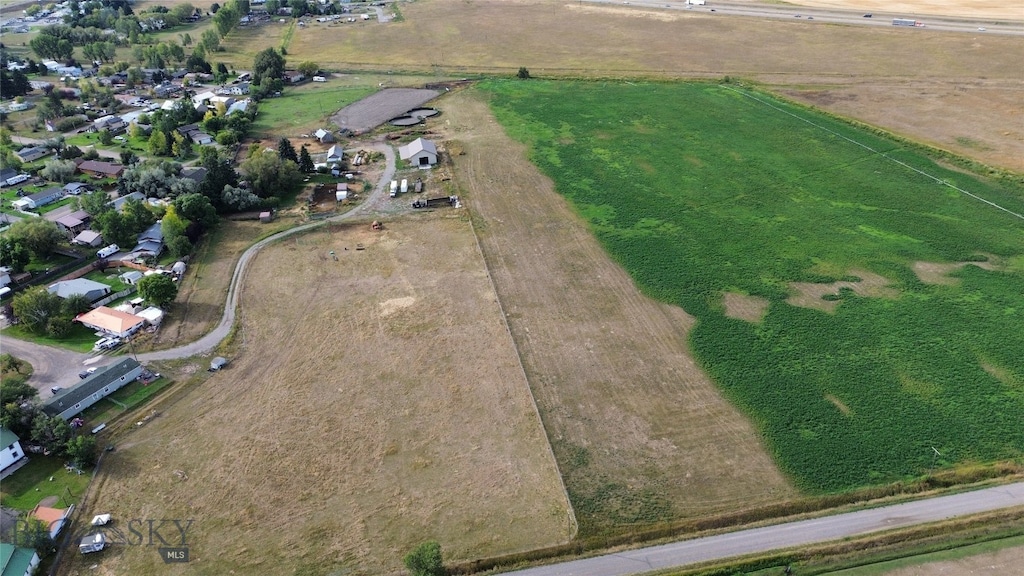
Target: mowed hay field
(376, 402)
(641, 433)
(959, 91)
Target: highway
(820, 16)
(788, 535)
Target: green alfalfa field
(702, 190)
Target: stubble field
(376, 402)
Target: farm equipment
(435, 202)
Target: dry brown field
(641, 433)
(1005, 562)
(963, 92)
(995, 9)
(375, 402)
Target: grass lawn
(700, 191)
(22, 372)
(25, 488)
(80, 339)
(39, 265)
(303, 109)
(122, 401)
(108, 277)
(978, 556)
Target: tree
(39, 235)
(13, 253)
(268, 174)
(299, 7)
(239, 199)
(158, 289)
(523, 73)
(196, 63)
(196, 208)
(226, 19)
(272, 6)
(268, 64)
(74, 305)
(116, 228)
(106, 138)
(158, 143)
(286, 151)
(425, 560)
(35, 307)
(306, 161)
(214, 8)
(309, 68)
(59, 171)
(14, 83)
(52, 433)
(82, 449)
(95, 203)
(210, 41)
(46, 46)
(137, 215)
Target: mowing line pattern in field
(699, 191)
(880, 153)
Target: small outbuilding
(88, 238)
(131, 277)
(218, 363)
(420, 152)
(152, 315)
(91, 289)
(324, 136)
(266, 217)
(335, 154)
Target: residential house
(73, 223)
(32, 153)
(293, 77)
(100, 169)
(151, 240)
(71, 402)
(195, 134)
(10, 449)
(195, 173)
(110, 321)
(239, 106)
(39, 199)
(324, 136)
(335, 154)
(89, 288)
(15, 561)
(76, 188)
(165, 90)
(203, 98)
(118, 203)
(53, 518)
(110, 123)
(240, 89)
(419, 152)
(88, 238)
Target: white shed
(420, 152)
(152, 315)
(131, 277)
(92, 543)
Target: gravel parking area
(377, 109)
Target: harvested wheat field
(640, 432)
(376, 402)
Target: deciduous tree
(39, 235)
(425, 560)
(158, 289)
(13, 253)
(35, 307)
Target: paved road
(834, 16)
(787, 535)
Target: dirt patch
(352, 435)
(744, 307)
(813, 294)
(939, 272)
(838, 404)
(640, 431)
(378, 108)
(998, 563)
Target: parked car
(86, 373)
(107, 343)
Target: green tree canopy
(35, 307)
(39, 235)
(158, 289)
(267, 65)
(13, 253)
(268, 174)
(425, 560)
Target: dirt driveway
(51, 366)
